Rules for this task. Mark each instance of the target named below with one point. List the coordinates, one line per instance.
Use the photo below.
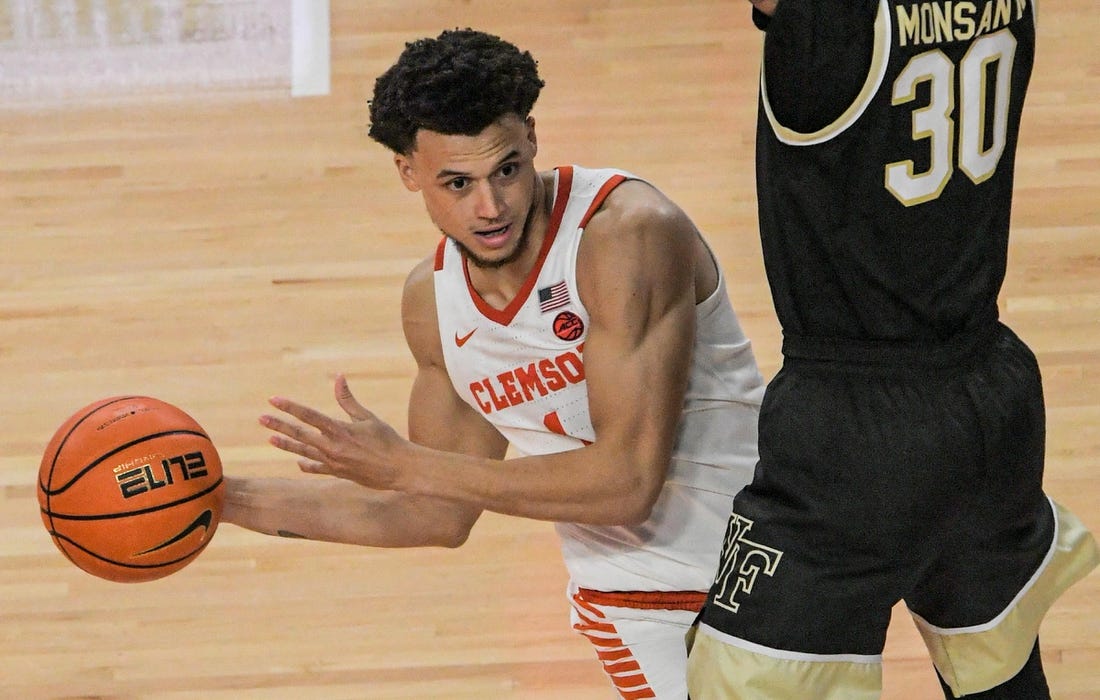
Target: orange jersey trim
(504, 316)
(611, 184)
(439, 253)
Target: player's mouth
(494, 237)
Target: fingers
(295, 431)
(347, 400)
(320, 441)
(288, 444)
(310, 466)
(295, 437)
(303, 413)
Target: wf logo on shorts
(742, 562)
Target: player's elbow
(635, 503)
(452, 538)
(451, 529)
(635, 515)
(632, 484)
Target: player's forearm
(587, 485)
(339, 511)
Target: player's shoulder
(637, 233)
(418, 312)
(635, 206)
(421, 273)
(418, 294)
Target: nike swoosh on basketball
(204, 521)
(460, 340)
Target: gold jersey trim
(875, 76)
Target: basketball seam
(120, 448)
(57, 453)
(130, 513)
(123, 564)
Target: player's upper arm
(816, 59)
(636, 277)
(438, 418)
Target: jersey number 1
(936, 124)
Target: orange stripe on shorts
(618, 662)
(691, 601)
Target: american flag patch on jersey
(553, 297)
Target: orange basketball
(130, 489)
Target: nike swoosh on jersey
(460, 340)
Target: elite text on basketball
(145, 478)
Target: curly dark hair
(458, 83)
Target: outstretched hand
(359, 449)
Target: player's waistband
(918, 353)
(691, 601)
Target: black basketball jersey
(885, 155)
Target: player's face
(479, 190)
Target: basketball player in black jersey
(902, 441)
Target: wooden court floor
(213, 250)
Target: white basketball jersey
(522, 367)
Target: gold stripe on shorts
(721, 668)
(975, 659)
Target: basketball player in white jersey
(576, 315)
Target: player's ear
(407, 172)
(531, 137)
